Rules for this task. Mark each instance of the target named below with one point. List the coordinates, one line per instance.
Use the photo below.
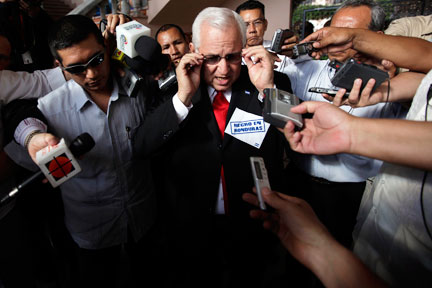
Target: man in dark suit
(210, 240)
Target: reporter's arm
(333, 131)
(397, 141)
(402, 51)
(336, 266)
(306, 238)
(24, 85)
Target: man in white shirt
(334, 184)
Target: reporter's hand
(40, 141)
(294, 222)
(328, 132)
(389, 67)
(361, 98)
(188, 73)
(289, 43)
(331, 39)
(113, 20)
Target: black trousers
(133, 264)
(335, 203)
(224, 253)
(28, 251)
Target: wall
(73, 3)
(183, 12)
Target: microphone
(62, 167)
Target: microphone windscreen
(148, 48)
(81, 144)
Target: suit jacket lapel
(202, 104)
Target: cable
(428, 97)
(422, 205)
(387, 99)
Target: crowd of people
(166, 197)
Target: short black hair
(71, 30)
(166, 27)
(249, 5)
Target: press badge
(247, 127)
(27, 58)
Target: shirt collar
(212, 93)
(82, 97)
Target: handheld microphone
(61, 167)
(127, 34)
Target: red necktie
(220, 110)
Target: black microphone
(79, 146)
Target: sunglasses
(233, 58)
(80, 68)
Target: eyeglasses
(233, 58)
(80, 68)
(256, 23)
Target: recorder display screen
(258, 170)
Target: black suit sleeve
(282, 82)
(159, 126)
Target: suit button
(220, 146)
(167, 134)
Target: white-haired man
(207, 168)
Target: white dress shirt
(392, 239)
(340, 167)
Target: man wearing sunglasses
(206, 168)
(109, 207)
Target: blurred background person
(26, 25)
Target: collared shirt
(418, 26)
(392, 239)
(339, 167)
(220, 208)
(113, 192)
